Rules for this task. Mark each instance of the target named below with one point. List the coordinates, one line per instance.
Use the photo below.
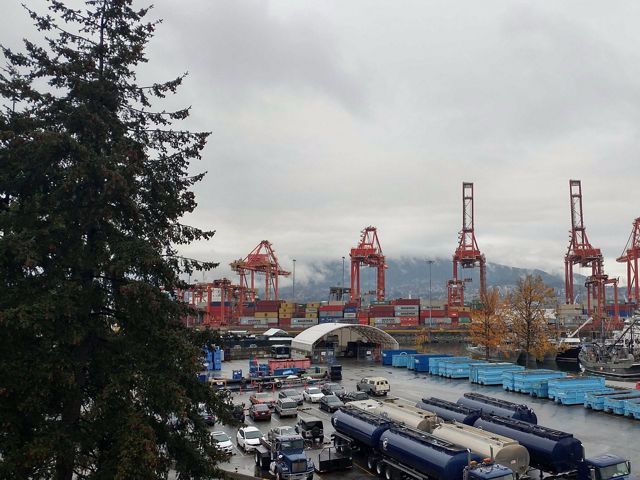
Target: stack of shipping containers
(305, 316)
(285, 314)
(350, 313)
(331, 313)
(382, 314)
(407, 311)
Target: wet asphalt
(599, 432)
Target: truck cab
(285, 458)
(487, 471)
(604, 467)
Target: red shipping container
(363, 320)
(284, 322)
(331, 308)
(267, 308)
(407, 301)
(434, 313)
(409, 321)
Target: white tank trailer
(407, 415)
(503, 450)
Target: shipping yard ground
(599, 432)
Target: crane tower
(467, 255)
(261, 260)
(581, 252)
(367, 253)
(630, 257)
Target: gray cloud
(331, 116)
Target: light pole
(342, 287)
(430, 262)
(294, 281)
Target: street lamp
(430, 262)
(294, 280)
(342, 287)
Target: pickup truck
(284, 458)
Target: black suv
(238, 412)
(310, 428)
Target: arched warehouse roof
(305, 340)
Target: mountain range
(408, 277)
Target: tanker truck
(557, 453)
(409, 416)
(450, 410)
(500, 449)
(496, 406)
(395, 451)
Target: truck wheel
(390, 473)
(380, 469)
(371, 463)
(258, 460)
(358, 387)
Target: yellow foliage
(488, 328)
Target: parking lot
(599, 432)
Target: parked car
(275, 432)
(238, 412)
(260, 411)
(208, 418)
(291, 394)
(374, 385)
(354, 396)
(262, 397)
(333, 389)
(312, 394)
(310, 428)
(222, 441)
(286, 407)
(330, 403)
(248, 438)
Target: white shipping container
(216, 295)
(385, 320)
(306, 322)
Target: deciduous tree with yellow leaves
(489, 329)
(526, 306)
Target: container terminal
(226, 305)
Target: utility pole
(430, 262)
(342, 286)
(294, 281)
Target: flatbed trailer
(332, 459)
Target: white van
(374, 385)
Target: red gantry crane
(467, 254)
(367, 253)
(630, 257)
(263, 261)
(581, 252)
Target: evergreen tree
(97, 378)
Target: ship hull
(569, 356)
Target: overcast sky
(331, 116)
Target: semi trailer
(555, 452)
(450, 410)
(501, 449)
(395, 451)
(497, 406)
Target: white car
(248, 438)
(223, 442)
(312, 394)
